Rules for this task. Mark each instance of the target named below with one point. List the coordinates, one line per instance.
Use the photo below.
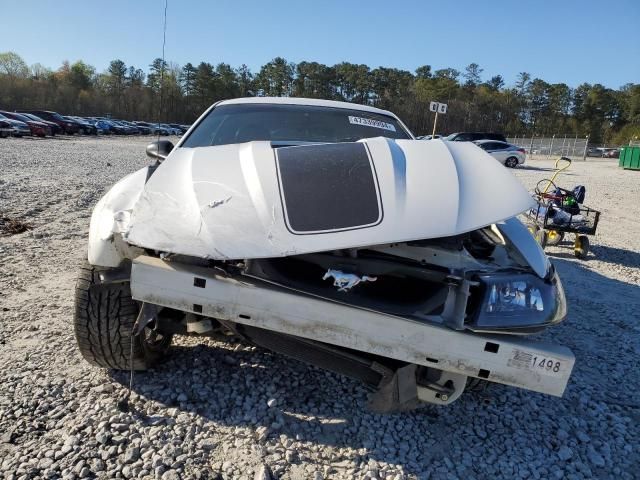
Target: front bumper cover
(515, 361)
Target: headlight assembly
(521, 302)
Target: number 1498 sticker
(538, 363)
(547, 364)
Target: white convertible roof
(306, 101)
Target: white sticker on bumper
(545, 365)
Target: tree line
(169, 92)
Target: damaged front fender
(110, 221)
(522, 244)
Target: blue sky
(560, 41)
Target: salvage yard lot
(215, 407)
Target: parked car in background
(20, 129)
(68, 126)
(594, 152)
(102, 127)
(509, 155)
(159, 129)
(134, 128)
(603, 152)
(145, 128)
(126, 129)
(170, 129)
(70, 119)
(429, 137)
(5, 129)
(39, 129)
(115, 127)
(181, 128)
(473, 136)
(55, 128)
(85, 126)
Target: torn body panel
(250, 200)
(507, 360)
(110, 221)
(522, 245)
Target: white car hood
(253, 201)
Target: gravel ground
(217, 410)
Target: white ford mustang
(324, 231)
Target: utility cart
(559, 211)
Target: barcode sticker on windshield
(368, 122)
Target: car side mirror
(159, 150)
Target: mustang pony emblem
(346, 281)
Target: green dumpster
(630, 158)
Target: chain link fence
(570, 146)
(565, 145)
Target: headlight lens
(520, 302)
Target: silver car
(509, 155)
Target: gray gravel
(217, 410)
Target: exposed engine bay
(438, 282)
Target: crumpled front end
(250, 200)
(111, 219)
(421, 229)
(394, 262)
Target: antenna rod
(164, 41)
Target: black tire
(581, 247)
(103, 321)
(511, 162)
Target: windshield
(22, 118)
(240, 123)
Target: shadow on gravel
(602, 330)
(618, 256)
(230, 385)
(535, 169)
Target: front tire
(103, 322)
(511, 162)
